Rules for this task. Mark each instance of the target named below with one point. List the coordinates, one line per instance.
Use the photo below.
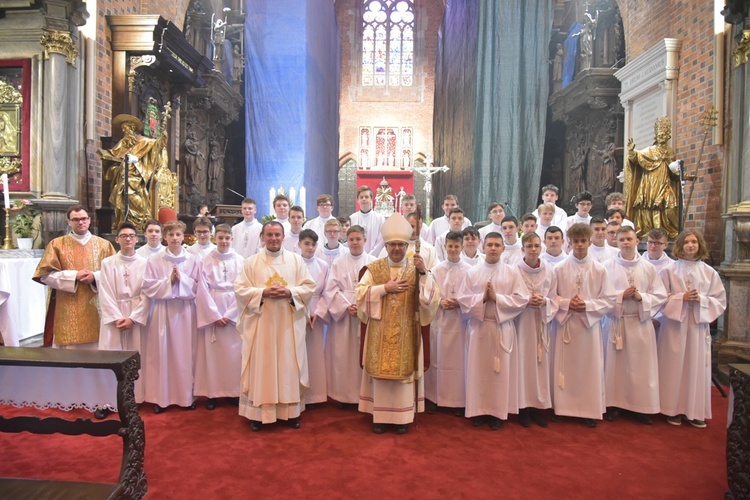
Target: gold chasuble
(75, 315)
(393, 340)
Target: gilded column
(59, 51)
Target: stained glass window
(388, 43)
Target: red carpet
(213, 454)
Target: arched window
(388, 43)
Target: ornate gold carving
(9, 94)
(59, 42)
(10, 166)
(739, 56)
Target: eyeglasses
(202, 232)
(397, 245)
(79, 219)
(127, 236)
(325, 205)
(333, 231)
(655, 243)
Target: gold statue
(650, 187)
(151, 155)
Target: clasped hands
(277, 292)
(691, 296)
(85, 276)
(632, 293)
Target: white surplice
(602, 253)
(315, 338)
(442, 225)
(274, 356)
(574, 219)
(120, 296)
(513, 254)
(200, 251)
(472, 261)
(218, 350)
(371, 221)
(147, 251)
(492, 357)
(557, 219)
(578, 369)
(343, 370)
(684, 345)
(392, 401)
(318, 225)
(659, 263)
(553, 260)
(445, 380)
(291, 243)
(534, 340)
(330, 254)
(170, 346)
(246, 237)
(631, 372)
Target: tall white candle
(6, 193)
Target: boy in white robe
(546, 213)
(202, 228)
(584, 295)
(612, 228)
(631, 373)
(492, 295)
(533, 330)
(291, 237)
(617, 201)
(445, 381)
(368, 219)
(550, 193)
(273, 290)
(584, 202)
(317, 309)
(171, 281)
(324, 205)
(153, 240)
(696, 298)
(456, 221)
(553, 246)
(281, 205)
(332, 248)
(218, 353)
(343, 370)
(124, 308)
(471, 243)
(512, 254)
(442, 224)
(496, 213)
(246, 233)
(599, 250)
(656, 242)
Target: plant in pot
(23, 224)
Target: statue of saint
(193, 158)
(215, 163)
(650, 187)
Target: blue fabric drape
(571, 54)
(291, 98)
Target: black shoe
(159, 409)
(643, 418)
(460, 412)
(612, 415)
(210, 403)
(402, 429)
(590, 422)
(478, 421)
(431, 407)
(191, 407)
(293, 423)
(495, 423)
(341, 406)
(255, 426)
(234, 401)
(556, 418)
(523, 418)
(101, 413)
(378, 428)
(537, 418)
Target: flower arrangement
(23, 223)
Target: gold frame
(10, 117)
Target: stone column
(59, 51)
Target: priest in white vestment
(218, 350)
(388, 303)
(584, 295)
(492, 295)
(124, 308)
(273, 291)
(631, 372)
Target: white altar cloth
(22, 314)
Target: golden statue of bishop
(651, 188)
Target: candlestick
(8, 243)
(6, 193)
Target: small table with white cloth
(23, 312)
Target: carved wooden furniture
(738, 434)
(125, 364)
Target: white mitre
(396, 228)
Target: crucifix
(224, 270)
(428, 170)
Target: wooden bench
(132, 480)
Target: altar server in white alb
(343, 369)
(631, 368)
(273, 291)
(202, 228)
(584, 295)
(395, 312)
(246, 233)
(317, 309)
(124, 307)
(656, 244)
(533, 328)
(441, 225)
(369, 219)
(153, 240)
(445, 381)
(696, 298)
(512, 254)
(492, 295)
(171, 281)
(218, 350)
(329, 247)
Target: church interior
(306, 97)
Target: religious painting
(15, 84)
(407, 151)
(10, 132)
(385, 147)
(364, 147)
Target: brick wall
(645, 24)
(356, 113)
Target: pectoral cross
(579, 283)
(631, 276)
(126, 274)
(224, 270)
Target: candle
(6, 194)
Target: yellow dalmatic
(76, 308)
